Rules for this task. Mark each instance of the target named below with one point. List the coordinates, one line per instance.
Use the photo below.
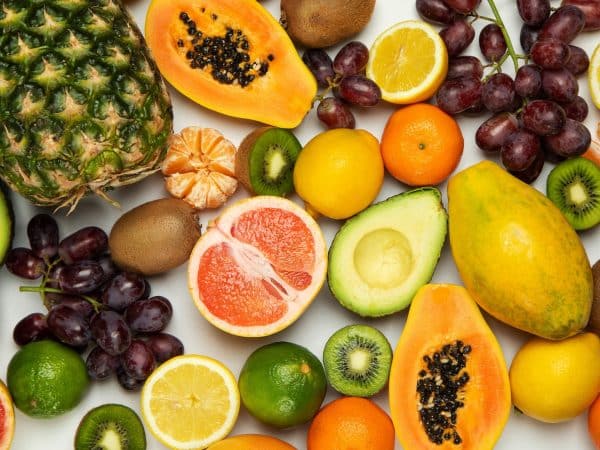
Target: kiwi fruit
(154, 237)
(594, 323)
(110, 426)
(574, 187)
(265, 160)
(323, 23)
(357, 360)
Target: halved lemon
(190, 402)
(408, 61)
(594, 76)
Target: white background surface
(324, 316)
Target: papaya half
(231, 56)
(449, 385)
(516, 253)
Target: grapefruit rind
(7, 414)
(213, 236)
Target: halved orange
(7, 418)
(258, 266)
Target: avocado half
(7, 223)
(380, 257)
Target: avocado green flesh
(383, 255)
(6, 226)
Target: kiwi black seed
(574, 187)
(357, 360)
(265, 161)
(594, 323)
(110, 426)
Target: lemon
(339, 172)
(594, 76)
(408, 61)
(554, 381)
(46, 379)
(190, 402)
(282, 384)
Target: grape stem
(509, 44)
(42, 289)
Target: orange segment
(199, 167)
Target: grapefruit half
(7, 418)
(258, 266)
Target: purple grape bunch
(344, 76)
(106, 314)
(537, 114)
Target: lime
(282, 384)
(46, 379)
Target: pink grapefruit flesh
(7, 418)
(258, 266)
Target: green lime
(46, 379)
(282, 384)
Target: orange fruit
(258, 266)
(593, 422)
(421, 145)
(350, 423)
(251, 442)
(7, 418)
(199, 167)
(593, 153)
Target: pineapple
(83, 107)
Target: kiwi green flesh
(110, 427)
(271, 162)
(6, 223)
(357, 360)
(574, 187)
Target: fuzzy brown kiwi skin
(154, 237)
(242, 156)
(323, 23)
(594, 323)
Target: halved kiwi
(574, 187)
(112, 427)
(357, 360)
(265, 161)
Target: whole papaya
(516, 253)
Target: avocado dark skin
(594, 323)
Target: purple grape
(100, 365)
(520, 150)
(528, 37)
(579, 61)
(564, 24)
(86, 243)
(334, 113)
(32, 327)
(573, 140)
(319, 63)
(42, 231)
(543, 117)
(80, 277)
(492, 133)
(491, 42)
(164, 346)
(459, 94)
(457, 36)
(21, 261)
(591, 11)
(124, 289)
(559, 85)
(462, 66)
(80, 305)
(435, 11)
(108, 267)
(498, 93)
(351, 59)
(463, 6)
(530, 174)
(111, 332)
(528, 81)
(53, 273)
(359, 90)
(127, 382)
(138, 361)
(68, 326)
(577, 109)
(550, 53)
(534, 12)
(149, 316)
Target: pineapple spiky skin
(83, 107)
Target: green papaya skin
(516, 253)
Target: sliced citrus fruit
(190, 402)
(7, 418)
(258, 266)
(408, 61)
(199, 167)
(594, 76)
